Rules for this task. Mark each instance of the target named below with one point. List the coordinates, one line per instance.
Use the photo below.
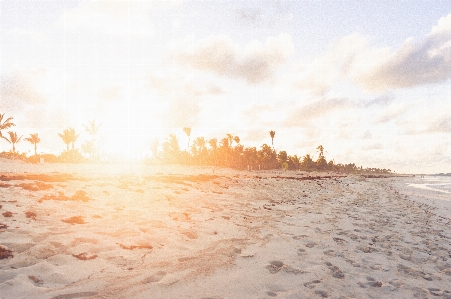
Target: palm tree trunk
(35, 149)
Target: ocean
(434, 183)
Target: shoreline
(185, 231)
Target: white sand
(166, 232)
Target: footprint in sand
(322, 294)
(436, 292)
(312, 284)
(274, 266)
(301, 251)
(395, 284)
(370, 282)
(336, 272)
(155, 278)
(271, 294)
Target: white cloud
(302, 115)
(320, 74)
(380, 69)
(391, 112)
(373, 146)
(256, 62)
(22, 88)
(443, 26)
(441, 125)
(412, 64)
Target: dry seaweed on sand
(61, 177)
(30, 214)
(131, 247)
(74, 220)
(7, 214)
(84, 256)
(79, 195)
(36, 186)
(5, 253)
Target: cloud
(382, 100)
(256, 62)
(322, 73)
(181, 112)
(374, 146)
(110, 94)
(178, 85)
(412, 64)
(256, 135)
(304, 114)
(442, 125)
(316, 77)
(249, 15)
(367, 135)
(115, 18)
(19, 89)
(391, 112)
(182, 96)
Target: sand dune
(71, 231)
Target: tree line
(90, 148)
(226, 152)
(229, 152)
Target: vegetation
(5, 124)
(69, 136)
(91, 147)
(228, 152)
(34, 139)
(272, 134)
(13, 139)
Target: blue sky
(369, 80)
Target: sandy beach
(134, 231)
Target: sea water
(433, 183)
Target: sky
(368, 80)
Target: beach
(145, 231)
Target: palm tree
(34, 139)
(93, 130)
(320, 148)
(88, 147)
(188, 133)
(69, 136)
(272, 134)
(214, 145)
(224, 146)
(171, 149)
(6, 124)
(73, 136)
(230, 138)
(199, 148)
(13, 139)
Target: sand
(134, 231)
